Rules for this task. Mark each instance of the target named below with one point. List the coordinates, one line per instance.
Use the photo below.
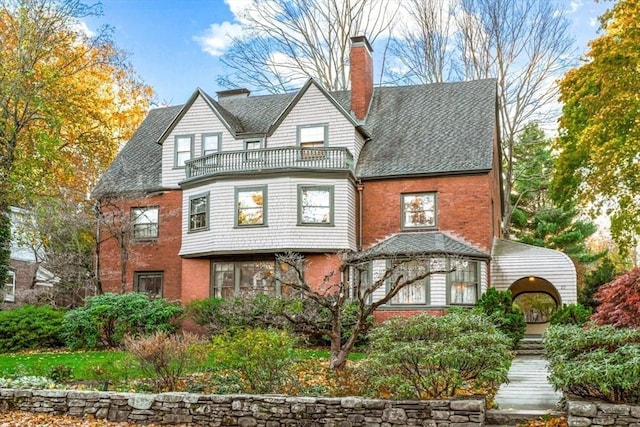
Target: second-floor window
(211, 143)
(315, 205)
(251, 206)
(144, 223)
(418, 210)
(311, 137)
(252, 145)
(10, 287)
(183, 150)
(199, 212)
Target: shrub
(30, 327)
(428, 357)
(259, 360)
(265, 311)
(599, 362)
(166, 357)
(572, 314)
(620, 301)
(60, 373)
(106, 319)
(504, 314)
(604, 273)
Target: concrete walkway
(528, 388)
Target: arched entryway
(538, 299)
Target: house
(212, 190)
(26, 276)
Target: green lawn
(95, 365)
(87, 365)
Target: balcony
(270, 159)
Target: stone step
(530, 344)
(511, 417)
(530, 352)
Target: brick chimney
(361, 74)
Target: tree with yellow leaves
(67, 101)
(599, 142)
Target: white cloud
(217, 38)
(574, 5)
(237, 7)
(83, 28)
(593, 22)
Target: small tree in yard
(620, 301)
(333, 294)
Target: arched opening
(538, 299)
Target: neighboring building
(25, 276)
(214, 189)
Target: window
(315, 205)
(149, 282)
(211, 143)
(10, 287)
(310, 137)
(415, 293)
(199, 212)
(463, 282)
(184, 150)
(244, 279)
(144, 223)
(251, 206)
(252, 145)
(418, 210)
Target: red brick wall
(464, 206)
(157, 255)
(384, 315)
(321, 271)
(196, 278)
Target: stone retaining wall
(589, 413)
(247, 410)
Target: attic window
(311, 137)
(211, 143)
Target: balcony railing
(269, 159)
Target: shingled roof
(138, 166)
(442, 128)
(421, 243)
(434, 129)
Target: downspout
(360, 189)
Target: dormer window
(311, 137)
(183, 150)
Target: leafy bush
(604, 273)
(258, 360)
(599, 362)
(60, 373)
(572, 314)
(427, 357)
(265, 311)
(106, 319)
(30, 327)
(504, 314)
(166, 357)
(620, 301)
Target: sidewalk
(528, 388)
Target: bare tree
(524, 44)
(424, 51)
(352, 285)
(286, 41)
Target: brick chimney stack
(361, 74)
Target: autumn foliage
(620, 301)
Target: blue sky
(175, 45)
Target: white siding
(437, 283)
(315, 108)
(513, 261)
(200, 119)
(282, 231)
